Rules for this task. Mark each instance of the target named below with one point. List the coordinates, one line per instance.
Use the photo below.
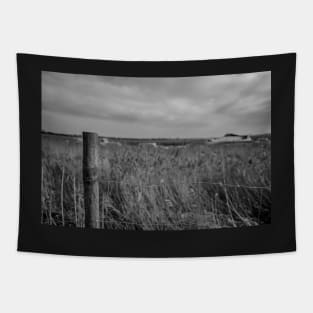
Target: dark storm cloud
(166, 107)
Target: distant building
(230, 138)
(231, 135)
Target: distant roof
(231, 135)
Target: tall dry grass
(147, 188)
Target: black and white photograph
(156, 153)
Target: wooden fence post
(90, 178)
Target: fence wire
(192, 183)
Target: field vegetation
(176, 185)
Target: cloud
(201, 106)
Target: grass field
(168, 187)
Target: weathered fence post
(90, 177)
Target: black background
(279, 236)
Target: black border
(279, 236)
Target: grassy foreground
(142, 187)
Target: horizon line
(100, 135)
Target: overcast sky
(204, 106)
